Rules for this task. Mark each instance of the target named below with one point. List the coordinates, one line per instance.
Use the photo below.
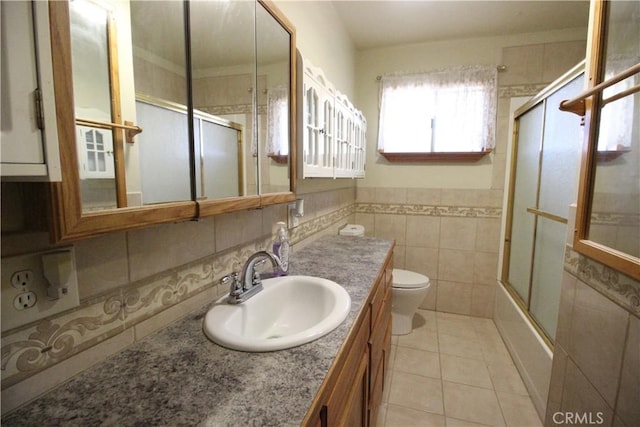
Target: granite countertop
(178, 377)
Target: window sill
(461, 157)
(279, 158)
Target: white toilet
(407, 293)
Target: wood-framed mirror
(150, 130)
(608, 209)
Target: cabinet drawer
(376, 303)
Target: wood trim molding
(457, 157)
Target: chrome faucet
(248, 283)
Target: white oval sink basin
(290, 311)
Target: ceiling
(391, 22)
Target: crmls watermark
(578, 418)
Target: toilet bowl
(407, 293)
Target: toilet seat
(404, 279)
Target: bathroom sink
(290, 311)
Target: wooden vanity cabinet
(380, 342)
(352, 391)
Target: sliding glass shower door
(543, 183)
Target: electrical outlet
(25, 300)
(21, 279)
(24, 287)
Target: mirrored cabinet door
(167, 110)
(223, 66)
(608, 212)
(159, 161)
(273, 55)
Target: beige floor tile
(457, 325)
(482, 386)
(465, 371)
(421, 339)
(473, 404)
(494, 351)
(453, 422)
(454, 317)
(392, 356)
(416, 392)
(419, 362)
(486, 329)
(398, 416)
(459, 346)
(505, 378)
(425, 319)
(518, 411)
(382, 414)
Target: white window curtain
(452, 110)
(617, 118)
(278, 120)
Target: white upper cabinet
(29, 142)
(334, 131)
(319, 125)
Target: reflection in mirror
(273, 65)
(158, 164)
(117, 53)
(90, 28)
(615, 207)
(223, 69)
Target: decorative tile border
(33, 348)
(619, 288)
(316, 225)
(426, 210)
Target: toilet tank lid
(409, 279)
(352, 230)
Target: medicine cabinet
(29, 142)
(334, 134)
(170, 111)
(608, 209)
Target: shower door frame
(538, 99)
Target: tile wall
(596, 360)
(596, 363)
(451, 236)
(133, 283)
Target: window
(447, 111)
(278, 124)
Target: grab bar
(131, 130)
(577, 105)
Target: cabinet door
(344, 139)
(356, 408)
(319, 129)
(359, 145)
(348, 404)
(26, 90)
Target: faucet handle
(232, 280)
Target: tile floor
(454, 370)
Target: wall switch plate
(24, 288)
